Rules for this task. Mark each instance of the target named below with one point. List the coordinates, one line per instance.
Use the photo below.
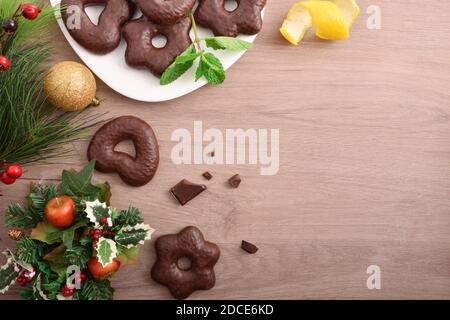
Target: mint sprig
(210, 67)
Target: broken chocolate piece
(185, 191)
(249, 247)
(235, 181)
(207, 175)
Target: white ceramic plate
(140, 84)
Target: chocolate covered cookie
(135, 171)
(191, 245)
(165, 12)
(105, 36)
(140, 50)
(245, 19)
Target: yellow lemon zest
(332, 19)
(297, 22)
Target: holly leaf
(106, 250)
(38, 293)
(95, 210)
(228, 43)
(181, 64)
(128, 256)
(8, 275)
(131, 236)
(79, 184)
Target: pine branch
(96, 290)
(30, 251)
(18, 216)
(130, 217)
(30, 129)
(78, 255)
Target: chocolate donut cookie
(165, 12)
(136, 171)
(140, 51)
(189, 244)
(105, 36)
(246, 18)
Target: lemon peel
(332, 19)
(297, 22)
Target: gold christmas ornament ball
(70, 86)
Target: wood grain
(364, 176)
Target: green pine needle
(30, 129)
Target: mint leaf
(213, 69)
(79, 184)
(201, 69)
(227, 43)
(181, 64)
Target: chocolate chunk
(235, 181)
(212, 154)
(185, 191)
(207, 175)
(249, 247)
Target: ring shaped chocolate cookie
(165, 12)
(105, 36)
(140, 50)
(136, 171)
(190, 244)
(245, 19)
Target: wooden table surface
(364, 173)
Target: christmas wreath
(77, 241)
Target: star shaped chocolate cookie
(140, 51)
(191, 245)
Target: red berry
(14, 171)
(95, 234)
(83, 276)
(104, 220)
(5, 64)
(66, 291)
(20, 279)
(30, 11)
(6, 179)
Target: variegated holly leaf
(8, 274)
(26, 266)
(106, 250)
(95, 210)
(38, 293)
(131, 236)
